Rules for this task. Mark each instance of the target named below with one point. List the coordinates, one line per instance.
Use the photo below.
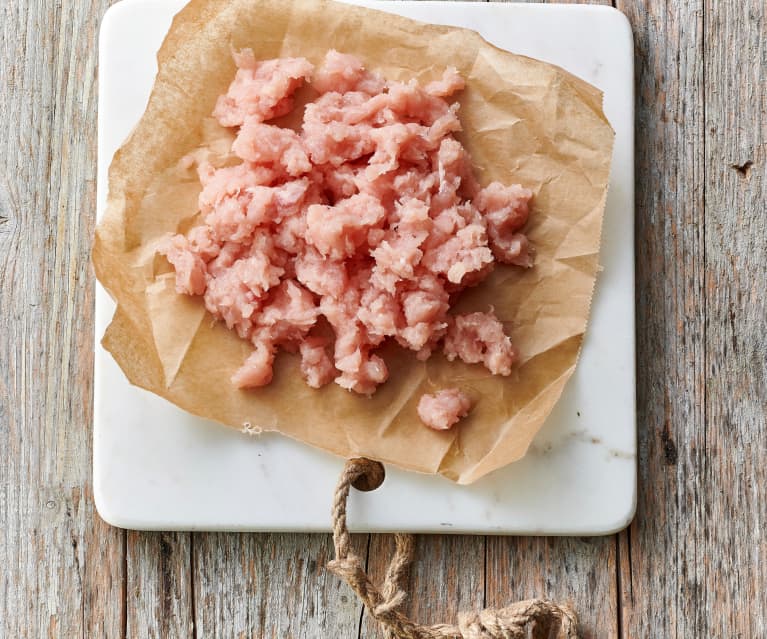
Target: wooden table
(693, 563)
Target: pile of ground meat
(368, 216)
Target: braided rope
(383, 604)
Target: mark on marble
(582, 436)
(251, 429)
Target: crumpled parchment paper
(524, 121)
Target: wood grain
(447, 576)
(62, 572)
(691, 565)
(578, 571)
(731, 569)
(701, 324)
(160, 591)
(663, 552)
(273, 586)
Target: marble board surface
(156, 467)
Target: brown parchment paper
(524, 121)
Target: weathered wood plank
(62, 569)
(731, 571)
(578, 571)
(691, 564)
(447, 576)
(159, 585)
(663, 554)
(602, 2)
(271, 586)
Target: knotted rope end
(504, 623)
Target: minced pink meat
(479, 338)
(444, 408)
(450, 83)
(368, 216)
(261, 90)
(339, 231)
(506, 209)
(316, 365)
(289, 314)
(267, 144)
(190, 267)
(341, 73)
(257, 369)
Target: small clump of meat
(367, 218)
(479, 338)
(443, 409)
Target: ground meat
(189, 265)
(506, 209)
(261, 90)
(479, 338)
(368, 216)
(257, 369)
(267, 144)
(444, 408)
(342, 73)
(341, 230)
(316, 365)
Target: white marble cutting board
(156, 467)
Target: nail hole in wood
(743, 169)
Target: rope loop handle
(383, 604)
